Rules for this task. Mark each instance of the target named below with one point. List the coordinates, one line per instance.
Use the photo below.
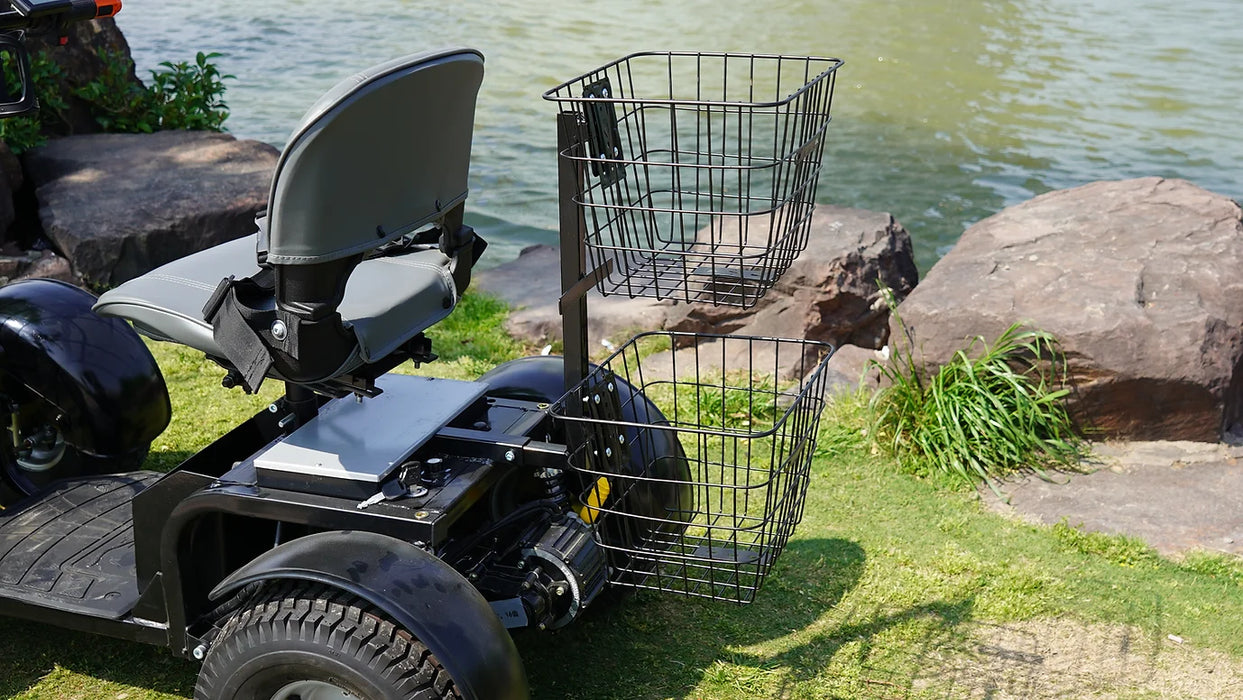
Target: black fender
(95, 370)
(541, 378)
(420, 592)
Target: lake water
(946, 111)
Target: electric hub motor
(567, 570)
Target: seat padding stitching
(442, 270)
(196, 284)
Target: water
(946, 111)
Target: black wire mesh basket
(701, 169)
(698, 493)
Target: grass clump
(991, 410)
(1119, 549)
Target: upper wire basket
(701, 169)
(695, 464)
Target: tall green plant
(991, 410)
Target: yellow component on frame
(589, 510)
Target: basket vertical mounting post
(573, 304)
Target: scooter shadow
(656, 645)
(634, 645)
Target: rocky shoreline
(1140, 280)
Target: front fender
(420, 592)
(95, 370)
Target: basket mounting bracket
(584, 285)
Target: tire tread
(318, 614)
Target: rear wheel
(302, 641)
(33, 450)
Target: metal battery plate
(363, 441)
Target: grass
(887, 578)
(989, 411)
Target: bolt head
(279, 331)
(510, 456)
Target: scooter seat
(387, 299)
(376, 169)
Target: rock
(531, 285)
(851, 367)
(1140, 280)
(81, 60)
(828, 294)
(10, 182)
(118, 205)
(10, 266)
(11, 174)
(51, 266)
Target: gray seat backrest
(382, 154)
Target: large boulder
(118, 205)
(830, 292)
(531, 285)
(1140, 280)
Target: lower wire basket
(699, 493)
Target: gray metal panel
(365, 441)
(385, 152)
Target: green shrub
(991, 410)
(117, 103)
(182, 95)
(190, 95)
(29, 131)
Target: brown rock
(82, 60)
(118, 205)
(830, 293)
(852, 367)
(51, 266)
(1140, 280)
(531, 285)
(10, 182)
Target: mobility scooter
(374, 534)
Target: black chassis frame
(195, 526)
(190, 526)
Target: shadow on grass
(648, 645)
(30, 651)
(654, 645)
(894, 652)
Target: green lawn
(889, 583)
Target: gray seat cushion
(387, 300)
